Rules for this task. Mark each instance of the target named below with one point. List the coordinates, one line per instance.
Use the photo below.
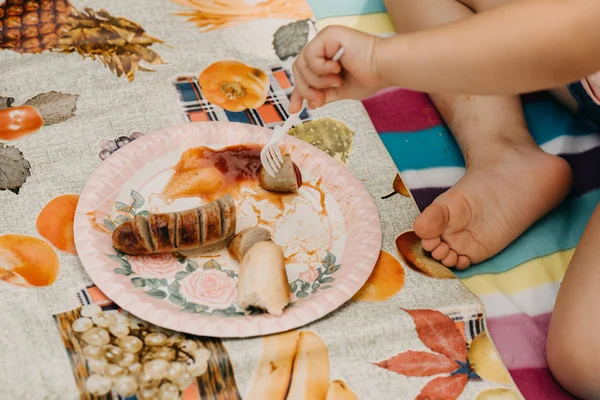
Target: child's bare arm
(524, 46)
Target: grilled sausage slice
(210, 226)
(188, 230)
(133, 237)
(287, 180)
(162, 231)
(241, 242)
(205, 226)
(228, 216)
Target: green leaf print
(177, 299)
(122, 206)
(138, 200)
(156, 293)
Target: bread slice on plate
(262, 281)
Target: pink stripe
(521, 339)
(538, 384)
(400, 110)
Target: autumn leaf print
(444, 388)
(419, 363)
(439, 333)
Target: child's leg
(573, 347)
(510, 182)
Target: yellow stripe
(533, 273)
(375, 24)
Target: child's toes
(451, 259)
(463, 262)
(430, 244)
(440, 251)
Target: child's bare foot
(498, 199)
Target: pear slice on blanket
(272, 377)
(310, 377)
(411, 252)
(339, 390)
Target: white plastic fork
(270, 155)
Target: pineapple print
(33, 26)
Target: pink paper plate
(330, 233)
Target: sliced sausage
(228, 216)
(241, 242)
(188, 230)
(197, 228)
(162, 231)
(132, 237)
(210, 225)
(287, 180)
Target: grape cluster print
(129, 356)
(109, 146)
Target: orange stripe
(96, 295)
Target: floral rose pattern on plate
(309, 276)
(163, 265)
(210, 290)
(314, 279)
(211, 287)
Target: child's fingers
(317, 99)
(320, 51)
(295, 102)
(315, 81)
(331, 81)
(304, 90)
(331, 95)
(322, 66)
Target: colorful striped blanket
(519, 286)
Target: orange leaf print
(419, 363)
(55, 222)
(444, 388)
(438, 332)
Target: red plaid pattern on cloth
(273, 112)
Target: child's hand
(320, 80)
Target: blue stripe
(340, 8)
(559, 230)
(435, 147)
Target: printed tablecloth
(413, 331)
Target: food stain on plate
(325, 235)
(167, 199)
(206, 173)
